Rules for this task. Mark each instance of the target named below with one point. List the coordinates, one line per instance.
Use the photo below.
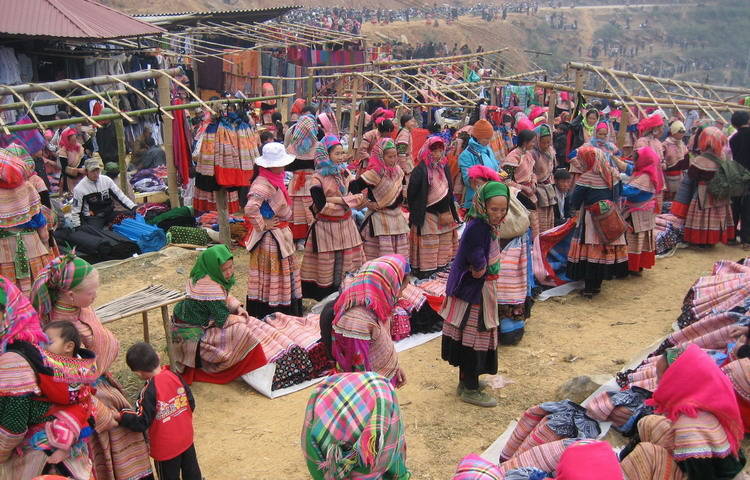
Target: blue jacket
(475, 154)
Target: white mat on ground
(560, 291)
(261, 379)
(492, 454)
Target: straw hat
(274, 155)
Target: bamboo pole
(56, 101)
(644, 101)
(222, 209)
(719, 88)
(622, 133)
(144, 96)
(688, 93)
(579, 84)
(172, 183)
(352, 127)
(100, 80)
(709, 105)
(551, 105)
(23, 101)
(136, 113)
(103, 100)
(120, 136)
(627, 92)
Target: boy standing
(164, 409)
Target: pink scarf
(275, 179)
(376, 161)
(425, 156)
(648, 164)
(694, 382)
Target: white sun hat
(274, 155)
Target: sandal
(746, 246)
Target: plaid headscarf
(20, 152)
(474, 467)
(63, 273)
(353, 429)
(304, 134)
(596, 171)
(323, 163)
(18, 319)
(712, 140)
(376, 286)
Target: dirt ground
(243, 435)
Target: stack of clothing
(293, 344)
(150, 180)
(715, 306)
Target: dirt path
(242, 435)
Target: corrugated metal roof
(84, 19)
(214, 12)
(253, 15)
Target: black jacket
(740, 145)
(416, 195)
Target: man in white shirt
(94, 196)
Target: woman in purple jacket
(470, 330)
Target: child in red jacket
(164, 409)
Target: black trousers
(741, 214)
(469, 377)
(182, 467)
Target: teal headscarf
(209, 264)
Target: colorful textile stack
(227, 155)
(293, 344)
(549, 422)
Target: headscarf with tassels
(323, 163)
(62, 274)
(375, 286)
(425, 156)
(353, 424)
(377, 163)
(597, 173)
(303, 135)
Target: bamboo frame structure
(683, 93)
(164, 77)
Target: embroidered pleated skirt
(273, 282)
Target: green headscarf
(488, 190)
(479, 210)
(209, 263)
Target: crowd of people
(323, 219)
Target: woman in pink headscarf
(381, 126)
(708, 220)
(70, 155)
(650, 130)
(647, 179)
(384, 230)
(432, 211)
